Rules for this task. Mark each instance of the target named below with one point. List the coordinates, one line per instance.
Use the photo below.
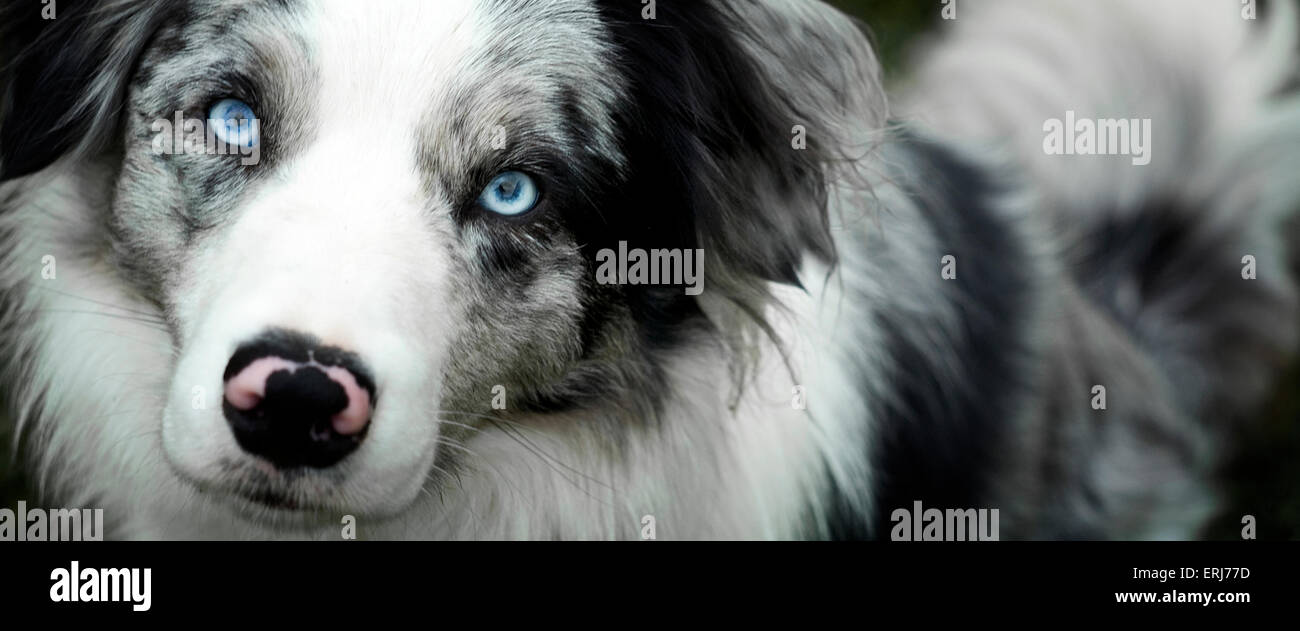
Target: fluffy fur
(822, 264)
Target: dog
(281, 269)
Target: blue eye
(233, 122)
(510, 193)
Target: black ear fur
(63, 81)
(710, 126)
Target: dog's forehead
(400, 53)
(462, 64)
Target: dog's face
(408, 249)
(373, 222)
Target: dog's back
(1168, 303)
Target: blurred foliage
(1264, 479)
(892, 24)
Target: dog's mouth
(273, 499)
(276, 506)
(268, 496)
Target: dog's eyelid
(234, 85)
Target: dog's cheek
(518, 334)
(167, 206)
(147, 221)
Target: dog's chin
(287, 502)
(274, 510)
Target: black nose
(296, 403)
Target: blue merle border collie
(394, 312)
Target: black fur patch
(706, 136)
(46, 68)
(948, 417)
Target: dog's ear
(752, 111)
(64, 69)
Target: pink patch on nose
(354, 417)
(246, 389)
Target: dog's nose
(295, 402)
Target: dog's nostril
(297, 404)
